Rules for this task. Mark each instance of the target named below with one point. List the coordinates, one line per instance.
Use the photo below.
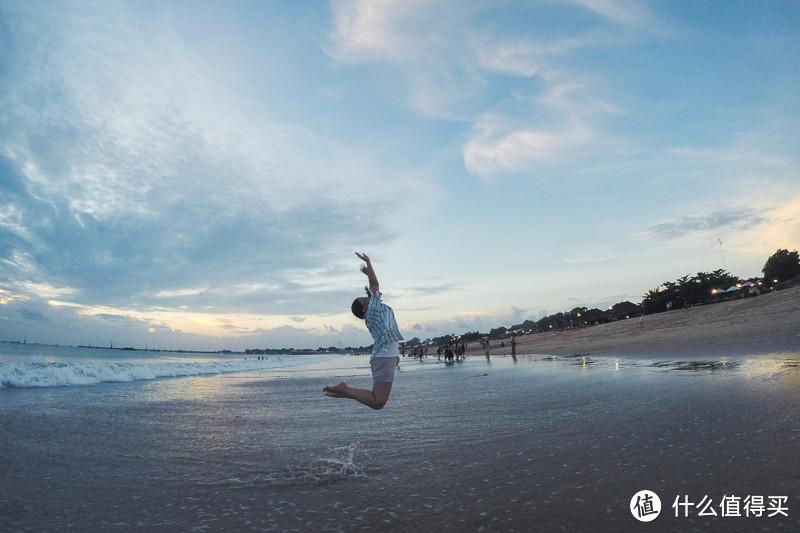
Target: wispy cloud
(152, 164)
(746, 229)
(710, 222)
(624, 12)
(380, 30)
(411, 36)
(428, 290)
(493, 151)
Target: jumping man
(380, 321)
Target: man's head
(359, 307)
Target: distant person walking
(380, 321)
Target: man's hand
(365, 268)
(370, 273)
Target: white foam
(338, 464)
(60, 374)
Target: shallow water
(546, 444)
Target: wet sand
(543, 443)
(765, 324)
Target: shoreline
(496, 446)
(764, 324)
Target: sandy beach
(765, 324)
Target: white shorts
(383, 368)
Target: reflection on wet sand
(770, 367)
(697, 366)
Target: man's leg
(376, 398)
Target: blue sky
(198, 174)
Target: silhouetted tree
(781, 266)
(687, 291)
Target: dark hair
(358, 308)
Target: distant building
(623, 310)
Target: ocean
(108, 440)
(35, 365)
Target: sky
(198, 174)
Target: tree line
(781, 269)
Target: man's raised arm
(370, 272)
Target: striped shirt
(383, 327)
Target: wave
(62, 374)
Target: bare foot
(336, 391)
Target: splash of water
(342, 464)
(337, 464)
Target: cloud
(171, 136)
(493, 150)
(509, 80)
(437, 47)
(749, 233)
(518, 314)
(108, 316)
(623, 12)
(7, 296)
(465, 321)
(379, 30)
(132, 174)
(428, 290)
(420, 46)
(729, 221)
(518, 58)
(43, 290)
(139, 184)
(555, 126)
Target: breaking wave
(61, 374)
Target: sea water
(538, 444)
(35, 365)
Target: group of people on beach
(452, 352)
